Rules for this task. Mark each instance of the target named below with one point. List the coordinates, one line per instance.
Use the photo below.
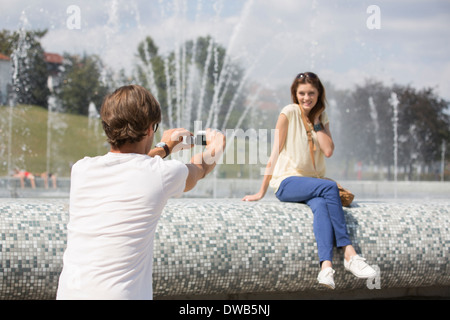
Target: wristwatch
(318, 127)
(165, 147)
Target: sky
(343, 41)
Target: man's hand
(174, 138)
(215, 143)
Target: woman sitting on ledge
(291, 173)
(22, 175)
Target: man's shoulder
(88, 159)
(83, 162)
(173, 174)
(171, 165)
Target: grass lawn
(71, 137)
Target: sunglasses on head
(309, 75)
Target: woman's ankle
(325, 264)
(349, 252)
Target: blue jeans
(322, 196)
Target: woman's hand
(317, 118)
(280, 140)
(253, 197)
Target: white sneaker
(325, 278)
(359, 268)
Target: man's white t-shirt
(116, 201)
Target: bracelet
(318, 127)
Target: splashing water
(394, 103)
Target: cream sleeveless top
(295, 157)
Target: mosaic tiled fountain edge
(210, 247)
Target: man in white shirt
(116, 200)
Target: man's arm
(202, 163)
(157, 152)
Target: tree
(150, 71)
(423, 125)
(365, 124)
(6, 42)
(82, 83)
(29, 77)
(193, 82)
(367, 130)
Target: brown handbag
(345, 195)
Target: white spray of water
(211, 49)
(394, 103)
(20, 61)
(191, 69)
(226, 69)
(374, 116)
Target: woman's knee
(330, 187)
(318, 205)
(329, 183)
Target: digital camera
(199, 139)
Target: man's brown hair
(128, 113)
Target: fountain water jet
(394, 103)
(20, 65)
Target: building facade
(54, 66)
(5, 78)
